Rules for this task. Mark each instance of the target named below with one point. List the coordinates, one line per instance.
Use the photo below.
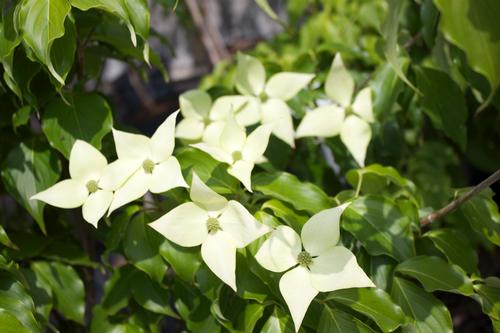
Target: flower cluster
(315, 261)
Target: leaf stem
(460, 200)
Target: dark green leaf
(5, 240)
(337, 321)
(455, 246)
(185, 261)
(21, 117)
(151, 295)
(375, 178)
(88, 118)
(41, 292)
(444, 103)
(386, 86)
(286, 187)
(373, 303)
(380, 226)
(436, 274)
(28, 169)
(489, 296)
(117, 290)
(428, 313)
(278, 322)
(287, 214)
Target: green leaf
(488, 293)
(373, 303)
(67, 288)
(9, 323)
(28, 169)
(250, 287)
(117, 290)
(42, 22)
(375, 178)
(88, 118)
(286, 213)
(288, 188)
(15, 300)
(380, 226)
(21, 117)
(337, 321)
(428, 313)
(455, 246)
(473, 26)
(390, 32)
(436, 274)
(5, 240)
(278, 322)
(444, 103)
(185, 261)
(264, 5)
(40, 291)
(481, 212)
(141, 246)
(151, 295)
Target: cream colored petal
(242, 170)
(219, 253)
(339, 85)
(336, 269)
(167, 175)
(241, 225)
(190, 129)
(217, 153)
(185, 225)
(279, 252)
(212, 133)
(356, 135)
(256, 143)
(163, 139)
(362, 105)
(96, 206)
(116, 173)
(134, 188)
(295, 286)
(131, 146)
(205, 196)
(245, 109)
(322, 230)
(233, 136)
(68, 193)
(286, 85)
(86, 162)
(195, 104)
(250, 75)
(277, 113)
(323, 122)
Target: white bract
(350, 120)
(238, 150)
(270, 97)
(204, 121)
(218, 225)
(144, 164)
(85, 188)
(319, 262)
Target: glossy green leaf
(118, 289)
(428, 313)
(380, 226)
(5, 240)
(373, 303)
(444, 103)
(436, 274)
(141, 246)
(42, 22)
(488, 293)
(288, 188)
(67, 288)
(151, 295)
(88, 118)
(337, 321)
(9, 40)
(455, 246)
(278, 322)
(185, 261)
(21, 117)
(9, 323)
(473, 26)
(286, 213)
(28, 169)
(41, 292)
(375, 178)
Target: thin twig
(460, 200)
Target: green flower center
(237, 155)
(263, 96)
(348, 110)
(213, 225)
(92, 186)
(148, 166)
(304, 259)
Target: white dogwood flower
(218, 225)
(144, 164)
(319, 262)
(203, 121)
(238, 150)
(350, 120)
(271, 96)
(85, 188)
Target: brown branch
(460, 200)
